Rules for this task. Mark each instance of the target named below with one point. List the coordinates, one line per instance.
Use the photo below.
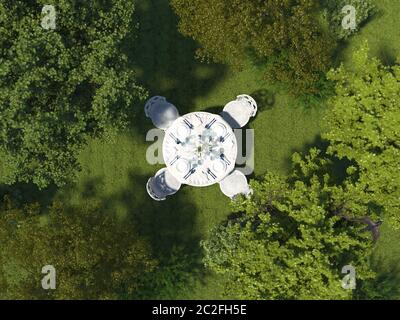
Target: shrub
(60, 87)
(334, 15)
(286, 35)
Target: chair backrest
(162, 185)
(235, 184)
(151, 102)
(238, 112)
(161, 112)
(250, 101)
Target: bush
(96, 256)
(60, 87)
(285, 35)
(174, 275)
(334, 15)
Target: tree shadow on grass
(337, 167)
(387, 55)
(265, 99)
(165, 60)
(25, 193)
(168, 226)
(386, 284)
(166, 223)
(214, 109)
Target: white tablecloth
(200, 149)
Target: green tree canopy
(59, 87)
(286, 34)
(363, 126)
(334, 14)
(95, 255)
(287, 241)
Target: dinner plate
(182, 166)
(219, 129)
(219, 166)
(182, 131)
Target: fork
(189, 173)
(208, 126)
(174, 160)
(211, 174)
(175, 138)
(226, 136)
(188, 123)
(224, 158)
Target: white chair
(161, 112)
(162, 185)
(235, 184)
(238, 113)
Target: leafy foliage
(363, 127)
(333, 11)
(285, 34)
(95, 255)
(176, 273)
(384, 287)
(59, 87)
(286, 242)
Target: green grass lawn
(382, 33)
(115, 170)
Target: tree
(95, 255)
(285, 34)
(287, 242)
(60, 87)
(364, 9)
(363, 127)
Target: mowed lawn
(115, 171)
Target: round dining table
(200, 149)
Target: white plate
(182, 131)
(219, 166)
(182, 166)
(219, 129)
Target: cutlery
(189, 173)
(175, 138)
(225, 159)
(226, 136)
(206, 174)
(208, 126)
(200, 119)
(188, 123)
(174, 160)
(211, 174)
